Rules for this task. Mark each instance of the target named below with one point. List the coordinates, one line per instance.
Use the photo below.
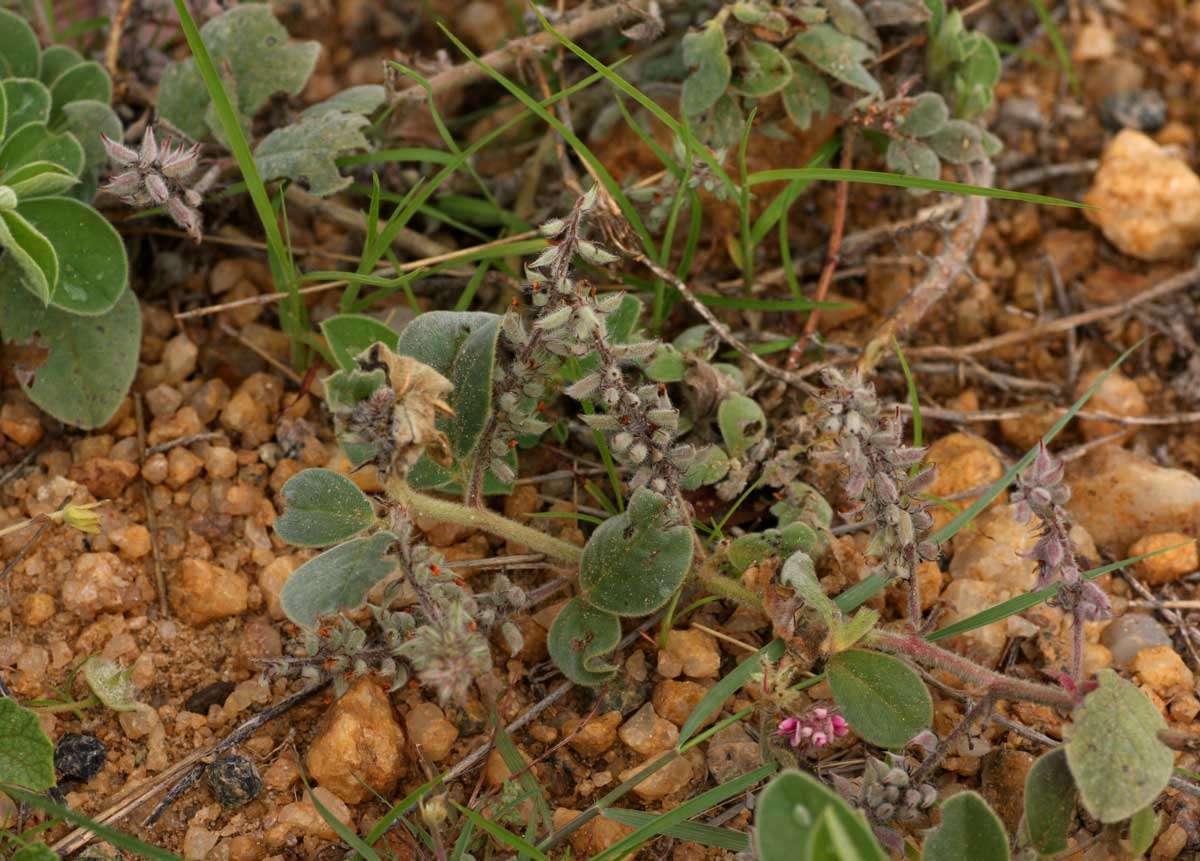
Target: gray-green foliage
(969, 829)
(258, 59)
(963, 64)
(63, 269)
(797, 818)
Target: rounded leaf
(349, 334)
(837, 54)
(927, 115)
(93, 268)
(762, 69)
(749, 549)
(1115, 755)
(1049, 802)
(34, 142)
(788, 817)
(322, 507)
(183, 98)
(55, 60)
(969, 829)
(704, 53)
(26, 754)
(20, 54)
(634, 562)
(958, 142)
(40, 179)
(111, 683)
(83, 81)
(913, 158)
(338, 579)
(28, 101)
(78, 369)
(806, 95)
(742, 423)
(87, 120)
(30, 259)
(580, 640)
(882, 698)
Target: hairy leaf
(704, 53)
(1143, 828)
(969, 829)
(29, 258)
(806, 95)
(882, 698)
(56, 59)
(634, 562)
(322, 507)
(742, 423)
(86, 120)
(39, 179)
(306, 151)
(913, 158)
(762, 69)
(749, 549)
(349, 334)
(1049, 802)
(580, 640)
(837, 54)
(927, 115)
(786, 820)
(28, 101)
(1114, 752)
(26, 754)
(35, 142)
(363, 99)
(338, 579)
(958, 142)
(111, 683)
(20, 56)
(81, 367)
(85, 81)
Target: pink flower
(816, 727)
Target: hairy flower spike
(158, 175)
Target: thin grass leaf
(747, 245)
(733, 682)
(777, 209)
(516, 763)
(397, 810)
(913, 400)
(685, 811)
(397, 154)
(1021, 603)
(463, 841)
(518, 844)
(346, 835)
(601, 172)
(116, 838)
(744, 304)
(875, 177)
(693, 832)
(1057, 43)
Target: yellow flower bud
(81, 517)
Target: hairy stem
(1077, 646)
(710, 577)
(977, 713)
(914, 603)
(1001, 687)
(483, 519)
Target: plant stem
(710, 576)
(975, 714)
(483, 519)
(1077, 646)
(1001, 687)
(914, 602)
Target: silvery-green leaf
(85, 81)
(913, 158)
(969, 829)
(849, 18)
(806, 95)
(86, 120)
(958, 142)
(29, 259)
(927, 115)
(26, 754)
(837, 54)
(338, 579)
(20, 55)
(111, 683)
(28, 101)
(882, 698)
(580, 641)
(363, 99)
(761, 69)
(56, 59)
(306, 151)
(1049, 802)
(704, 53)
(322, 507)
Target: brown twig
(183, 440)
(112, 50)
(943, 270)
(832, 253)
(352, 219)
(966, 416)
(160, 579)
(504, 58)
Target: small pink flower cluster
(817, 727)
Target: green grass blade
(734, 680)
(344, 832)
(913, 400)
(518, 844)
(743, 304)
(397, 154)
(659, 824)
(397, 810)
(778, 208)
(693, 832)
(1057, 43)
(601, 172)
(516, 763)
(970, 513)
(876, 177)
(1021, 603)
(116, 838)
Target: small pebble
(1141, 110)
(234, 780)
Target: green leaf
(788, 812)
(1049, 802)
(742, 423)
(800, 574)
(634, 562)
(837, 54)
(1143, 828)
(806, 95)
(306, 151)
(913, 158)
(503, 836)
(26, 754)
(846, 634)
(803, 503)
(322, 507)
(20, 55)
(30, 260)
(958, 142)
(362, 99)
(349, 334)
(752, 548)
(927, 115)
(87, 120)
(34, 142)
(689, 830)
(35, 852)
(708, 467)
(850, 19)
(730, 684)
(704, 53)
(969, 829)
(183, 98)
(40, 179)
(762, 69)
(84, 82)
(93, 268)
(882, 698)
(667, 366)
(261, 55)
(55, 60)
(461, 346)
(338, 579)
(111, 683)
(580, 640)
(1114, 752)
(3, 113)
(28, 101)
(84, 366)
